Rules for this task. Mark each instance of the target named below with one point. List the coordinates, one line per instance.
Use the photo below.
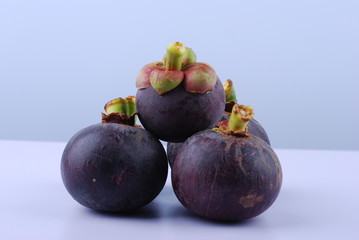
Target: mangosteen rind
(224, 177)
(171, 150)
(178, 114)
(113, 167)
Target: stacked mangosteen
(223, 166)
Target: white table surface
(319, 200)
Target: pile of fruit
(222, 164)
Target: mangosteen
(254, 127)
(115, 165)
(226, 173)
(172, 149)
(178, 96)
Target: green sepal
(164, 81)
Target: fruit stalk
(229, 91)
(240, 117)
(174, 56)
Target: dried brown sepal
(119, 118)
(222, 127)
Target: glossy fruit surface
(113, 167)
(171, 150)
(254, 128)
(224, 177)
(178, 114)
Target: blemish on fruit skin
(116, 179)
(250, 200)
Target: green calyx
(229, 91)
(125, 106)
(120, 111)
(179, 65)
(239, 118)
(199, 78)
(189, 57)
(165, 81)
(143, 77)
(167, 77)
(131, 105)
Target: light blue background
(295, 62)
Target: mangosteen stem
(229, 91)
(188, 58)
(119, 105)
(240, 117)
(174, 56)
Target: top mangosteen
(114, 165)
(178, 96)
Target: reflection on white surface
(318, 200)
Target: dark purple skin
(226, 178)
(254, 128)
(172, 149)
(178, 114)
(114, 167)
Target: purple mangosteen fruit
(171, 150)
(115, 165)
(179, 96)
(225, 173)
(254, 127)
